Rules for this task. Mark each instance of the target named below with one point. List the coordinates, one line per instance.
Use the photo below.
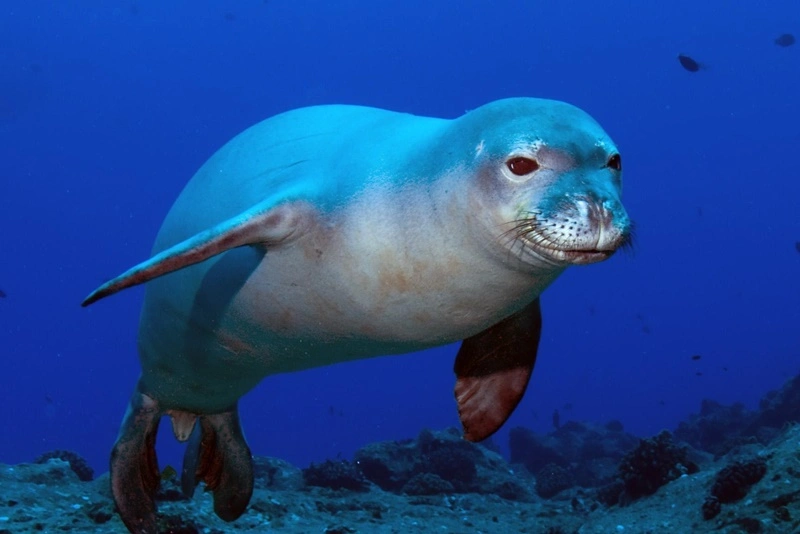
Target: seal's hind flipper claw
(134, 466)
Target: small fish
(696, 357)
(698, 373)
(796, 247)
(3, 293)
(688, 63)
(168, 473)
(787, 39)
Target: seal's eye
(614, 162)
(522, 166)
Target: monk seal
(334, 233)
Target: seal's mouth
(583, 243)
(568, 255)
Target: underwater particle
(688, 63)
(696, 357)
(784, 40)
(2, 294)
(699, 373)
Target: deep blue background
(106, 113)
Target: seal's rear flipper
(218, 455)
(134, 467)
(493, 369)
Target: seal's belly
(222, 326)
(340, 304)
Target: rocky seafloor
(727, 469)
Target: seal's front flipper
(218, 455)
(134, 467)
(493, 369)
(265, 224)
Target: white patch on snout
(600, 143)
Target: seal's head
(549, 179)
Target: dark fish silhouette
(796, 247)
(696, 357)
(2, 294)
(688, 63)
(787, 39)
(169, 473)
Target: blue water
(106, 111)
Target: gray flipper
(134, 466)
(493, 369)
(218, 455)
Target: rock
(336, 475)
(277, 474)
(655, 462)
